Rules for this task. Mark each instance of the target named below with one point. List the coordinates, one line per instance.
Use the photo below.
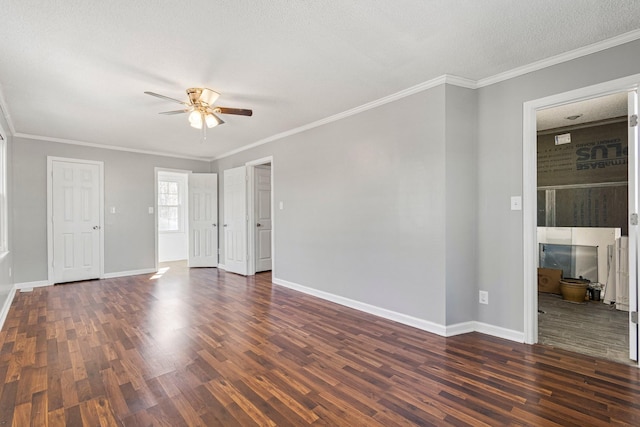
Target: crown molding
(106, 147)
(429, 84)
(456, 81)
(559, 59)
(5, 112)
(443, 79)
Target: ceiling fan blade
(157, 95)
(236, 111)
(168, 113)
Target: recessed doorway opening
(576, 176)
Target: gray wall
(461, 204)
(366, 211)
(129, 241)
(500, 230)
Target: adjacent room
(319, 213)
(583, 231)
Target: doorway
(261, 210)
(249, 230)
(186, 217)
(582, 207)
(172, 215)
(530, 199)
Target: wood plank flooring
(203, 347)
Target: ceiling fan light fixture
(209, 96)
(195, 119)
(212, 120)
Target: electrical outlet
(483, 297)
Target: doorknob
(225, 225)
(96, 227)
(215, 225)
(259, 225)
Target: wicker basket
(574, 290)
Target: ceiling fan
(202, 112)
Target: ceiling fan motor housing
(202, 96)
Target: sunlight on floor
(160, 272)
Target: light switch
(516, 203)
(150, 209)
(281, 205)
(112, 209)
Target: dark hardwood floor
(203, 347)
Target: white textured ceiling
(76, 70)
(590, 110)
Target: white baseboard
(425, 325)
(460, 328)
(6, 306)
(500, 332)
(36, 284)
(129, 273)
(222, 267)
(40, 283)
(405, 319)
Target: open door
(633, 225)
(203, 220)
(235, 220)
(262, 218)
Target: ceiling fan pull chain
(204, 128)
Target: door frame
(251, 235)
(157, 170)
(529, 184)
(100, 164)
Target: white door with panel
(76, 220)
(262, 215)
(203, 220)
(633, 224)
(235, 220)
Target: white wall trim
(222, 267)
(7, 306)
(425, 325)
(460, 328)
(105, 147)
(129, 273)
(452, 80)
(405, 319)
(497, 331)
(5, 112)
(459, 81)
(563, 57)
(445, 78)
(36, 284)
(529, 183)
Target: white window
(170, 205)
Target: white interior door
(633, 225)
(203, 220)
(262, 215)
(76, 220)
(235, 220)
